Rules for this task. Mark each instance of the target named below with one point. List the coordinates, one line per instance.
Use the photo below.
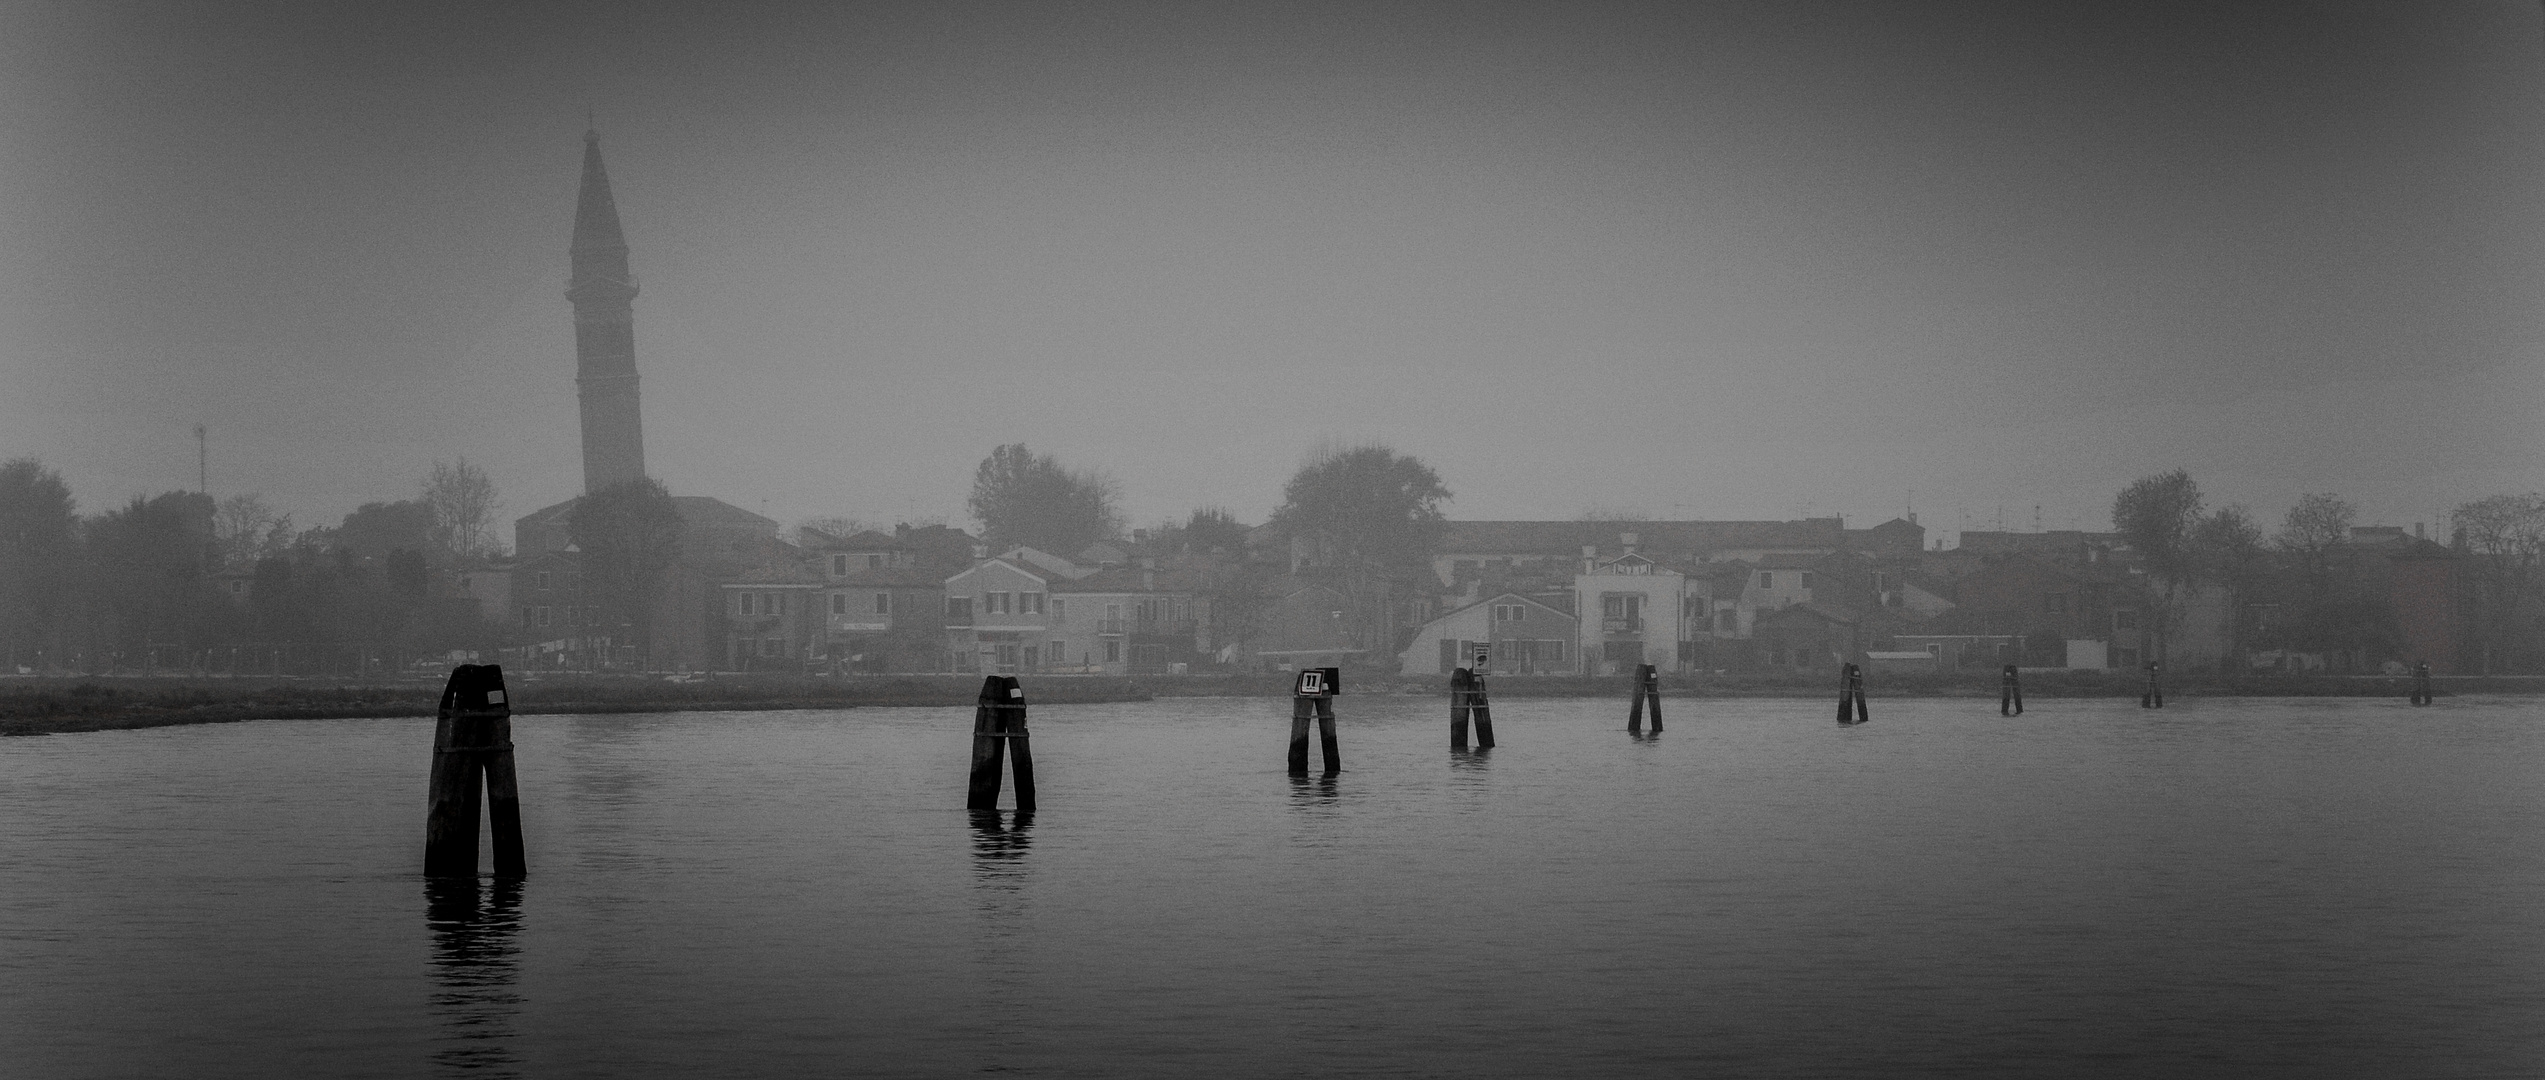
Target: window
(543, 616)
(1806, 583)
(839, 603)
(959, 608)
(1032, 603)
(1766, 580)
(1727, 621)
(543, 579)
(1058, 651)
(746, 603)
(839, 566)
(2125, 619)
(1509, 612)
(1551, 651)
(997, 604)
(883, 603)
(1060, 612)
(874, 562)
(773, 603)
(1113, 650)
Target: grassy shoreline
(44, 706)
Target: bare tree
(246, 530)
(835, 527)
(2505, 536)
(462, 498)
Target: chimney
(2416, 531)
(1627, 541)
(980, 551)
(1590, 558)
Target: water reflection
(1644, 736)
(1470, 760)
(1318, 792)
(475, 963)
(999, 844)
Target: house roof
(1130, 579)
(1501, 598)
(861, 540)
(1670, 538)
(1830, 613)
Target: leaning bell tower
(603, 292)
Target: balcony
(1615, 625)
(1112, 627)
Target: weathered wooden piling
(2421, 683)
(1851, 696)
(1647, 691)
(2010, 693)
(1459, 707)
(1313, 698)
(473, 753)
(2154, 696)
(998, 728)
(1479, 704)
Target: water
(2298, 888)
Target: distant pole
(998, 725)
(202, 460)
(1312, 697)
(1460, 708)
(2421, 683)
(2010, 693)
(473, 742)
(1851, 696)
(1647, 690)
(2154, 696)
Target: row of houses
(1537, 597)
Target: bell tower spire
(603, 292)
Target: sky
(1679, 260)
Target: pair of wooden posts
(2154, 696)
(2010, 693)
(1312, 698)
(998, 727)
(1851, 696)
(2421, 683)
(473, 751)
(1467, 700)
(1647, 691)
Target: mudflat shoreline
(62, 705)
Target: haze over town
(1744, 261)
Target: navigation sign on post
(1319, 682)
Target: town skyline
(1734, 326)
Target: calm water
(2257, 888)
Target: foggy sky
(1730, 261)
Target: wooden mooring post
(2010, 693)
(1647, 691)
(2154, 696)
(2421, 683)
(1313, 698)
(998, 729)
(473, 745)
(1851, 696)
(1467, 701)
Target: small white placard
(494, 697)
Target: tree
(1367, 520)
(2504, 535)
(463, 504)
(153, 561)
(629, 534)
(39, 537)
(1021, 497)
(2314, 528)
(375, 529)
(2229, 551)
(2158, 516)
(1213, 528)
(248, 531)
